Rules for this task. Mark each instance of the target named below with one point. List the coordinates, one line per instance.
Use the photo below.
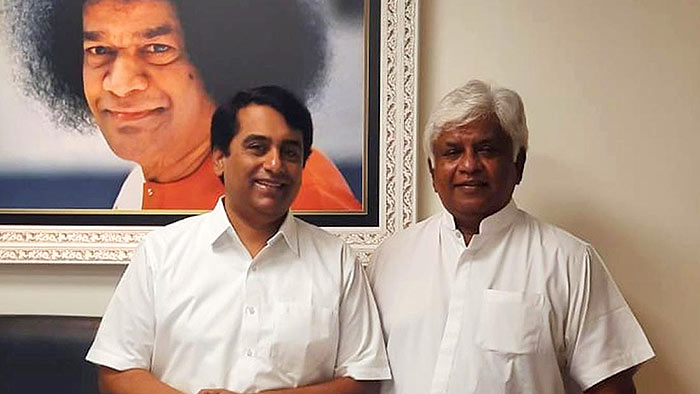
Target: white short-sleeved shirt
(525, 308)
(197, 311)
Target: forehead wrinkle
(148, 33)
(488, 130)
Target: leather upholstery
(46, 354)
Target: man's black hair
(224, 123)
(234, 44)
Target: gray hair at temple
(474, 101)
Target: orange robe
(323, 188)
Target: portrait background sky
(32, 145)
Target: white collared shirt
(197, 311)
(524, 308)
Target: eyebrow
(296, 143)
(258, 137)
(255, 137)
(92, 35)
(157, 31)
(149, 33)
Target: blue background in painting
(93, 190)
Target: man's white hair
(477, 100)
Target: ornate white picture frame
(33, 244)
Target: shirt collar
(288, 230)
(218, 222)
(219, 225)
(490, 225)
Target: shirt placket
(453, 324)
(250, 348)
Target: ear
(218, 158)
(432, 174)
(520, 165)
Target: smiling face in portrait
(262, 173)
(144, 93)
(474, 173)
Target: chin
(272, 211)
(474, 210)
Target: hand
(216, 391)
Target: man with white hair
(483, 297)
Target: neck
(254, 234)
(468, 228)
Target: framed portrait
(71, 192)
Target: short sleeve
(603, 336)
(125, 337)
(361, 351)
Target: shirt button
(249, 352)
(254, 268)
(458, 234)
(150, 192)
(250, 310)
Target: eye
(488, 150)
(257, 148)
(99, 50)
(98, 55)
(451, 152)
(158, 48)
(159, 54)
(292, 153)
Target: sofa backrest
(46, 354)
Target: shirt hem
(109, 360)
(614, 366)
(378, 373)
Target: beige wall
(612, 95)
(58, 289)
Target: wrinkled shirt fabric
(197, 311)
(524, 308)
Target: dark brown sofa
(46, 354)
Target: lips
(270, 184)
(126, 115)
(471, 183)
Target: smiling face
(145, 95)
(262, 173)
(474, 173)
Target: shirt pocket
(303, 339)
(509, 322)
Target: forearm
(620, 383)
(131, 381)
(336, 386)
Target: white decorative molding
(397, 178)
(410, 111)
(73, 245)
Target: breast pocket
(509, 322)
(304, 339)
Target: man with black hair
(245, 298)
(151, 71)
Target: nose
(273, 161)
(125, 76)
(470, 162)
